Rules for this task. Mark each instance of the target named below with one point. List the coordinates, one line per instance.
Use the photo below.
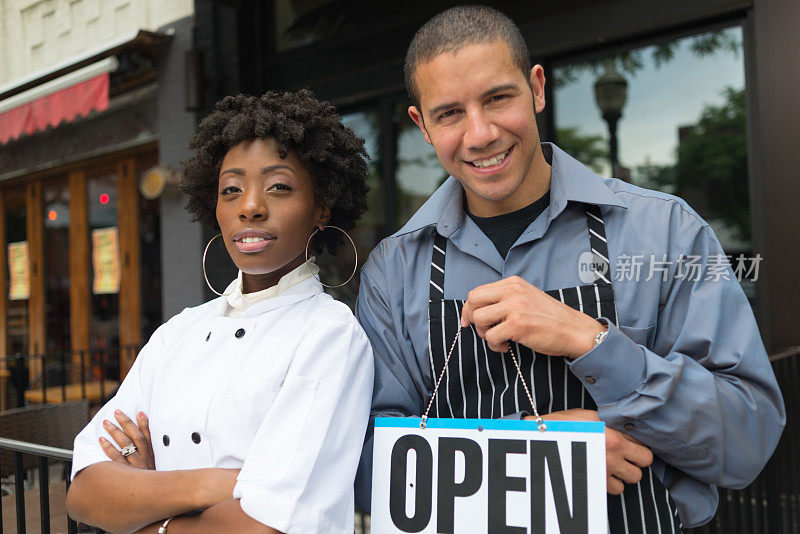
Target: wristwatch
(602, 335)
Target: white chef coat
(282, 392)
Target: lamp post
(610, 92)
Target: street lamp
(610, 91)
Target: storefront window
(336, 269)
(55, 204)
(18, 275)
(682, 128)
(302, 22)
(150, 255)
(419, 173)
(102, 201)
(17, 272)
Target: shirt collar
(296, 288)
(570, 181)
(240, 301)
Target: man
(673, 364)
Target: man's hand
(512, 309)
(625, 456)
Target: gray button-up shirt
(685, 372)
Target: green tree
(712, 163)
(591, 150)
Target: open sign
(483, 475)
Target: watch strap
(163, 528)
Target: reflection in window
(55, 204)
(418, 170)
(369, 230)
(16, 308)
(102, 201)
(302, 22)
(682, 128)
(150, 255)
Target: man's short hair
(461, 26)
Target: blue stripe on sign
(491, 424)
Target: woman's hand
(129, 433)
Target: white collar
(241, 302)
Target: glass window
(369, 230)
(150, 256)
(102, 202)
(16, 237)
(55, 204)
(681, 130)
(302, 22)
(16, 305)
(419, 173)
(682, 125)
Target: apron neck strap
(597, 242)
(437, 267)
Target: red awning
(51, 110)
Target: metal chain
(538, 418)
(424, 422)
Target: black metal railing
(91, 374)
(45, 455)
(771, 504)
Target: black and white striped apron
(481, 383)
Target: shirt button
(196, 437)
(239, 333)
(165, 439)
(590, 380)
(629, 426)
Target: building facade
(93, 260)
(92, 102)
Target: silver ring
(128, 449)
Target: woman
(253, 406)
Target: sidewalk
(58, 510)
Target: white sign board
(488, 475)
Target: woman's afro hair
(298, 122)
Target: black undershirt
(504, 230)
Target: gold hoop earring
(355, 250)
(204, 266)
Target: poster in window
(19, 287)
(105, 258)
